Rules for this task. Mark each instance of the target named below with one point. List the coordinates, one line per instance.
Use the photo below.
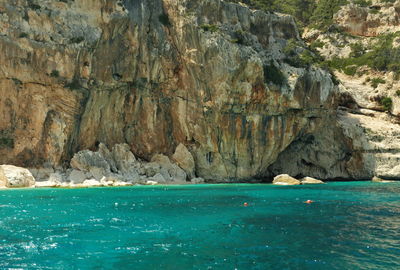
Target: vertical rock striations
(205, 74)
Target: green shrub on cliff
(381, 57)
(316, 13)
(55, 73)
(74, 84)
(274, 75)
(77, 40)
(301, 10)
(386, 103)
(23, 35)
(350, 70)
(376, 81)
(357, 50)
(209, 27)
(363, 3)
(33, 5)
(322, 16)
(6, 142)
(316, 44)
(164, 19)
(299, 56)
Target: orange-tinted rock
(150, 74)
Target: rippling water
(350, 226)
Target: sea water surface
(352, 225)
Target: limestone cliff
(363, 140)
(378, 18)
(153, 74)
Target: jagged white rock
(15, 177)
(310, 180)
(285, 179)
(151, 183)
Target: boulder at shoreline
(118, 167)
(285, 180)
(15, 177)
(185, 160)
(310, 180)
(377, 179)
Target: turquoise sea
(351, 225)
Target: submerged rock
(310, 180)
(15, 177)
(285, 179)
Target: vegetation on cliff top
(314, 13)
(381, 53)
(386, 103)
(308, 13)
(382, 56)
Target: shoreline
(119, 167)
(191, 185)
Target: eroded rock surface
(285, 180)
(207, 74)
(167, 91)
(93, 169)
(15, 177)
(379, 18)
(310, 181)
(376, 179)
(362, 140)
(185, 160)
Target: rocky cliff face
(379, 18)
(364, 141)
(153, 74)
